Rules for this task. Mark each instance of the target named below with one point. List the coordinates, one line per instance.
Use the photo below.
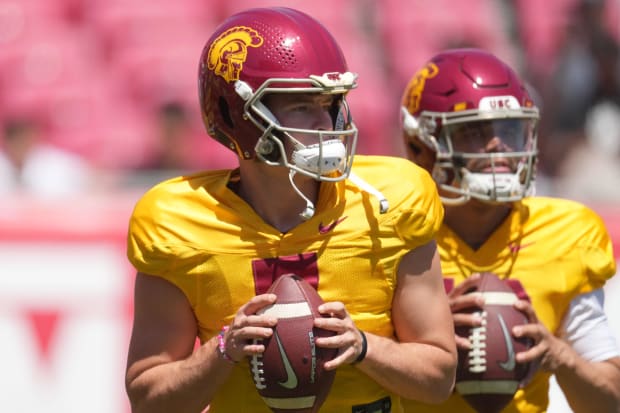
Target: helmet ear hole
(269, 150)
(340, 114)
(225, 112)
(420, 153)
(415, 148)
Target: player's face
(503, 136)
(302, 111)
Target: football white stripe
(289, 310)
(487, 387)
(292, 403)
(496, 298)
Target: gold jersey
(554, 250)
(199, 235)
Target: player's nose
(496, 144)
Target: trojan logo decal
(416, 86)
(230, 50)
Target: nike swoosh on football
(324, 229)
(291, 379)
(510, 362)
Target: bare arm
(421, 365)
(163, 375)
(588, 386)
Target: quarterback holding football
(214, 251)
(469, 120)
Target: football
(488, 375)
(289, 375)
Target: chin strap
(308, 212)
(366, 187)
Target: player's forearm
(589, 386)
(184, 386)
(413, 370)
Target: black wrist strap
(362, 354)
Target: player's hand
(247, 326)
(459, 300)
(348, 339)
(548, 351)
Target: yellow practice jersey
(199, 235)
(554, 250)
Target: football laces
(257, 369)
(477, 359)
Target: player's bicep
(164, 327)
(421, 312)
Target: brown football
(289, 375)
(488, 375)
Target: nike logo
(508, 364)
(324, 229)
(291, 379)
(513, 247)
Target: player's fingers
(339, 360)
(469, 283)
(333, 309)
(349, 342)
(527, 309)
(251, 332)
(462, 342)
(255, 346)
(245, 341)
(536, 352)
(257, 303)
(467, 319)
(264, 320)
(471, 300)
(337, 325)
(335, 341)
(532, 331)
(349, 345)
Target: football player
(273, 84)
(468, 119)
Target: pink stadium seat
(87, 118)
(541, 25)
(162, 64)
(328, 12)
(133, 23)
(56, 75)
(412, 31)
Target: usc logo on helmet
(230, 50)
(416, 86)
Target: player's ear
(419, 153)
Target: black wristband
(362, 354)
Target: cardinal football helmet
(475, 115)
(263, 51)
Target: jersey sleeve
(595, 248)
(145, 246)
(587, 329)
(415, 210)
(155, 244)
(420, 213)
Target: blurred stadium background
(111, 84)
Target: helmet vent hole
(277, 44)
(224, 110)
